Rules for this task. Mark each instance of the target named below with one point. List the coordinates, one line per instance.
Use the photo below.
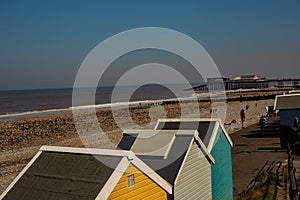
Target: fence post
(293, 183)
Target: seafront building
(246, 82)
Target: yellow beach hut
(86, 174)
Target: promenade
(255, 150)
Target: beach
(22, 138)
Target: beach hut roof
(288, 101)
(163, 150)
(76, 173)
(294, 92)
(207, 128)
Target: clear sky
(43, 43)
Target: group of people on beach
(262, 121)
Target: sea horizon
(43, 102)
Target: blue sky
(43, 43)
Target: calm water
(12, 102)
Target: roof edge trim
(113, 179)
(148, 171)
(225, 133)
(183, 161)
(93, 151)
(203, 148)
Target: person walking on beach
(295, 124)
(243, 117)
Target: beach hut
(179, 157)
(77, 174)
(289, 107)
(218, 144)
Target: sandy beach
(21, 139)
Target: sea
(18, 104)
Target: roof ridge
(129, 155)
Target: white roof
(289, 101)
(246, 77)
(294, 92)
(154, 144)
(167, 137)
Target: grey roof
(56, 175)
(169, 166)
(290, 101)
(126, 141)
(205, 128)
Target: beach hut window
(130, 181)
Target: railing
(294, 195)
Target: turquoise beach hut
(218, 144)
(289, 107)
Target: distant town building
(246, 82)
(218, 83)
